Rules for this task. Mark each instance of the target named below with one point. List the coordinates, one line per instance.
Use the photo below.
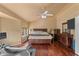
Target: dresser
(66, 39)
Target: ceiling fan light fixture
(44, 17)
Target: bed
(40, 36)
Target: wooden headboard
(39, 29)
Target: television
(71, 23)
(3, 35)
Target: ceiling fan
(45, 14)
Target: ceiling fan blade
(49, 14)
(45, 12)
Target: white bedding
(42, 35)
(38, 32)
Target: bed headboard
(45, 30)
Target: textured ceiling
(33, 11)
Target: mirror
(64, 27)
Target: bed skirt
(40, 41)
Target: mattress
(39, 35)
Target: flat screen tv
(71, 23)
(3, 35)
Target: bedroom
(36, 24)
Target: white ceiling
(3, 15)
(33, 11)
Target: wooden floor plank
(55, 49)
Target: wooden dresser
(66, 39)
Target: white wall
(13, 30)
(24, 24)
(49, 23)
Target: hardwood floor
(55, 49)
